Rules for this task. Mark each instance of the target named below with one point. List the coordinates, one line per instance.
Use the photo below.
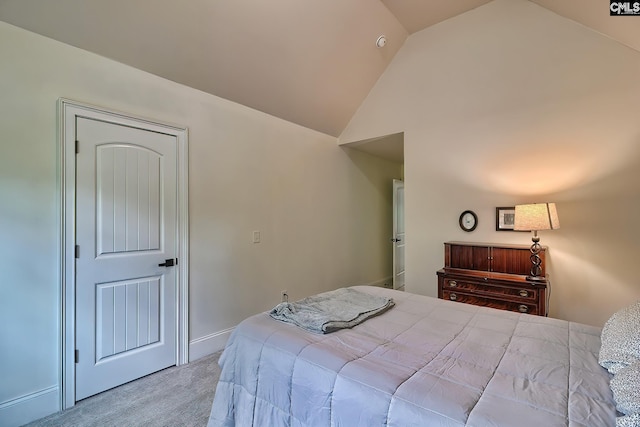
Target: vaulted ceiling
(308, 62)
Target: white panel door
(398, 238)
(126, 226)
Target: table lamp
(534, 217)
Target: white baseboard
(388, 281)
(31, 407)
(208, 344)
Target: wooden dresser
(492, 275)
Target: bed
(424, 362)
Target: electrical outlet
(285, 296)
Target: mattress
(425, 362)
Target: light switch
(256, 237)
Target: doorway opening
(391, 147)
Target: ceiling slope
(311, 63)
(418, 15)
(595, 15)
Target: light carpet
(176, 396)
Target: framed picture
(505, 217)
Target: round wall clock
(468, 220)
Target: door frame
(397, 183)
(68, 110)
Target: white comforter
(425, 362)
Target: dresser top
(493, 245)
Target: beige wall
(324, 212)
(507, 104)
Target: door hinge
(77, 254)
(77, 146)
(176, 261)
(76, 356)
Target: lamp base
(536, 262)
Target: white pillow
(625, 386)
(628, 421)
(620, 339)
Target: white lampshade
(538, 216)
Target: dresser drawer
(486, 301)
(492, 275)
(490, 289)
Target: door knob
(167, 263)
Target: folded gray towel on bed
(333, 310)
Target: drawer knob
(453, 283)
(523, 308)
(453, 297)
(524, 293)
